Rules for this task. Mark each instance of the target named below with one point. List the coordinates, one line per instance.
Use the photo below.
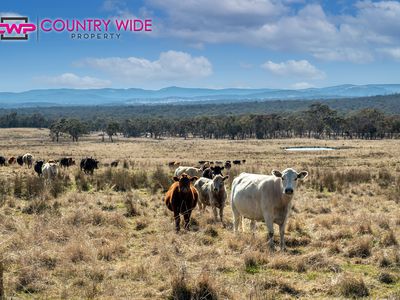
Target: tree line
(318, 121)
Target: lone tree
(57, 128)
(75, 129)
(112, 129)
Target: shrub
(350, 286)
(180, 290)
(131, 205)
(204, 290)
(81, 181)
(160, 179)
(361, 248)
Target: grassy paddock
(110, 235)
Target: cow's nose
(289, 191)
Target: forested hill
(389, 104)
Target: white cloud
(9, 14)
(295, 68)
(169, 66)
(280, 25)
(302, 85)
(70, 80)
(394, 53)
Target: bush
(81, 181)
(160, 179)
(351, 287)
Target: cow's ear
(194, 178)
(226, 177)
(276, 173)
(302, 175)
(176, 178)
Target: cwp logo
(15, 28)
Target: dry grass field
(110, 236)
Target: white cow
(265, 197)
(28, 159)
(50, 170)
(212, 192)
(192, 172)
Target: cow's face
(184, 182)
(217, 170)
(218, 183)
(39, 163)
(289, 179)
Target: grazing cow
(67, 162)
(243, 161)
(115, 163)
(181, 198)
(38, 167)
(228, 165)
(212, 193)
(20, 160)
(50, 171)
(236, 162)
(265, 197)
(202, 162)
(12, 160)
(189, 171)
(212, 171)
(89, 164)
(2, 161)
(28, 159)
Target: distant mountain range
(132, 96)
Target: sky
(289, 44)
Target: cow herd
(256, 197)
(50, 169)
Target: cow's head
(289, 179)
(39, 163)
(217, 170)
(184, 182)
(218, 183)
(96, 163)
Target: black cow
(2, 161)
(89, 164)
(236, 162)
(38, 167)
(20, 161)
(115, 163)
(228, 165)
(66, 162)
(212, 171)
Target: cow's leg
(282, 236)
(214, 208)
(221, 214)
(186, 216)
(236, 218)
(270, 226)
(177, 219)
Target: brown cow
(12, 160)
(181, 199)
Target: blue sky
(208, 43)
